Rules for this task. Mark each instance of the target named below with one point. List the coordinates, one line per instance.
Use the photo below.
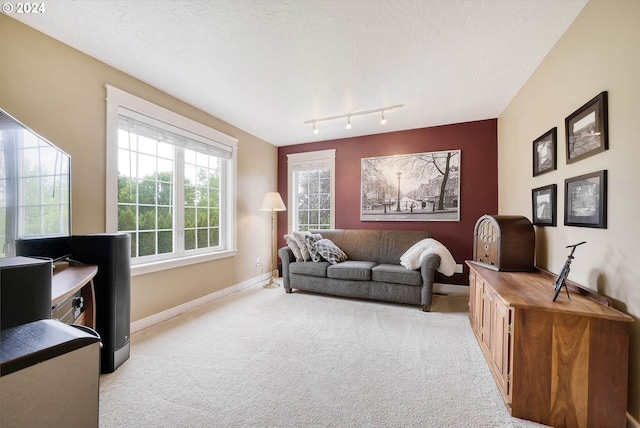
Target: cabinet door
(501, 343)
(472, 298)
(487, 316)
(475, 302)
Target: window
(170, 185)
(311, 190)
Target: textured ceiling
(267, 66)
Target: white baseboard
(631, 422)
(154, 319)
(450, 288)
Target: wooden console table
(562, 363)
(67, 281)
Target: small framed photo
(544, 152)
(585, 200)
(543, 200)
(587, 129)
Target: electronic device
(37, 191)
(25, 290)
(111, 252)
(56, 248)
(504, 243)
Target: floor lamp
(272, 202)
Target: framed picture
(585, 200)
(543, 200)
(544, 152)
(413, 187)
(587, 129)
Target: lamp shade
(272, 202)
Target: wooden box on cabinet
(562, 363)
(504, 242)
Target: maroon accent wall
(478, 143)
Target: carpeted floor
(263, 358)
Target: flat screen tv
(35, 193)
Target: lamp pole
(272, 202)
(272, 283)
(399, 174)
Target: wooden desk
(67, 280)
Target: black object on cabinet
(111, 253)
(25, 290)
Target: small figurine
(564, 273)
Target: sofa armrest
(286, 255)
(428, 271)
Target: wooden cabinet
(70, 285)
(562, 363)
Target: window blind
(310, 166)
(149, 127)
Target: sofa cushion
(352, 270)
(396, 274)
(310, 269)
(329, 251)
(292, 242)
(310, 240)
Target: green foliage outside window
(314, 205)
(145, 210)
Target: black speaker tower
(111, 253)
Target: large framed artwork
(585, 200)
(412, 187)
(587, 129)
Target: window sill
(144, 268)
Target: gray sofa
(372, 270)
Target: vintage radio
(504, 243)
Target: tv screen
(35, 187)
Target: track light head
(315, 130)
(348, 122)
(383, 120)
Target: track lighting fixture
(383, 119)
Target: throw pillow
(310, 240)
(330, 251)
(295, 248)
(302, 244)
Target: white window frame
(309, 160)
(117, 101)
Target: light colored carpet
(263, 358)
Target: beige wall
(60, 93)
(599, 52)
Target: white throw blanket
(413, 257)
